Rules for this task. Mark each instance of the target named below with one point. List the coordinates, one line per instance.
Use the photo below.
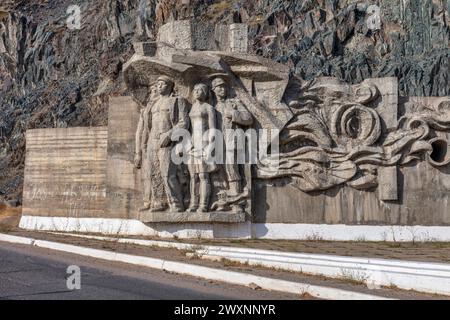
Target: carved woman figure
(203, 124)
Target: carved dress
(202, 117)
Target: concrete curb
(408, 275)
(275, 231)
(200, 271)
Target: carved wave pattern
(336, 138)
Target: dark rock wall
(51, 76)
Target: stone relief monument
(331, 133)
(226, 79)
(333, 153)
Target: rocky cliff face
(54, 76)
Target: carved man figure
(230, 114)
(168, 113)
(141, 157)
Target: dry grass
(9, 218)
(9, 211)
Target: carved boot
(173, 193)
(175, 207)
(234, 188)
(145, 207)
(205, 192)
(193, 203)
(158, 207)
(235, 208)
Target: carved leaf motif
(307, 125)
(314, 168)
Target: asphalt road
(34, 273)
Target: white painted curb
(285, 231)
(408, 275)
(199, 271)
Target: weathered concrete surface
(123, 181)
(184, 217)
(424, 198)
(65, 172)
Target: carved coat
(239, 117)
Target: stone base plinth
(182, 217)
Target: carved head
(220, 88)
(200, 92)
(153, 93)
(164, 85)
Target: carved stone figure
(142, 158)
(203, 123)
(231, 115)
(168, 113)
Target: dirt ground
(9, 218)
(419, 251)
(438, 252)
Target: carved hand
(165, 139)
(137, 160)
(229, 113)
